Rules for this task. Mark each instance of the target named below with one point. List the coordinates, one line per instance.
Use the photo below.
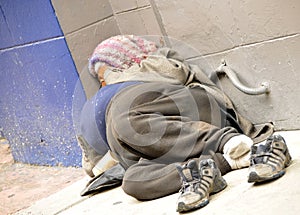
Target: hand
(100, 73)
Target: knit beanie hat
(120, 52)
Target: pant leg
(166, 123)
(163, 124)
(148, 180)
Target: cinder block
(275, 62)
(76, 14)
(37, 85)
(90, 84)
(149, 20)
(120, 6)
(138, 22)
(23, 22)
(213, 26)
(131, 23)
(82, 44)
(142, 3)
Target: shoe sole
(219, 186)
(185, 208)
(254, 177)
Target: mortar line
(88, 25)
(246, 45)
(160, 23)
(134, 9)
(36, 42)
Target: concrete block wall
(44, 55)
(86, 23)
(44, 81)
(259, 40)
(37, 81)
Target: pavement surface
(240, 197)
(21, 184)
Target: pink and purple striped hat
(121, 52)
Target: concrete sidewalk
(277, 197)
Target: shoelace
(265, 158)
(202, 188)
(189, 186)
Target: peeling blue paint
(38, 79)
(37, 85)
(24, 22)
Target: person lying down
(168, 128)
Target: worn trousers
(151, 127)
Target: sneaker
(89, 156)
(198, 183)
(268, 160)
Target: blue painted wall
(37, 84)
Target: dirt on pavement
(21, 184)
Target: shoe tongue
(261, 149)
(191, 171)
(187, 174)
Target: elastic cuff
(222, 163)
(225, 139)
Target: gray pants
(153, 126)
